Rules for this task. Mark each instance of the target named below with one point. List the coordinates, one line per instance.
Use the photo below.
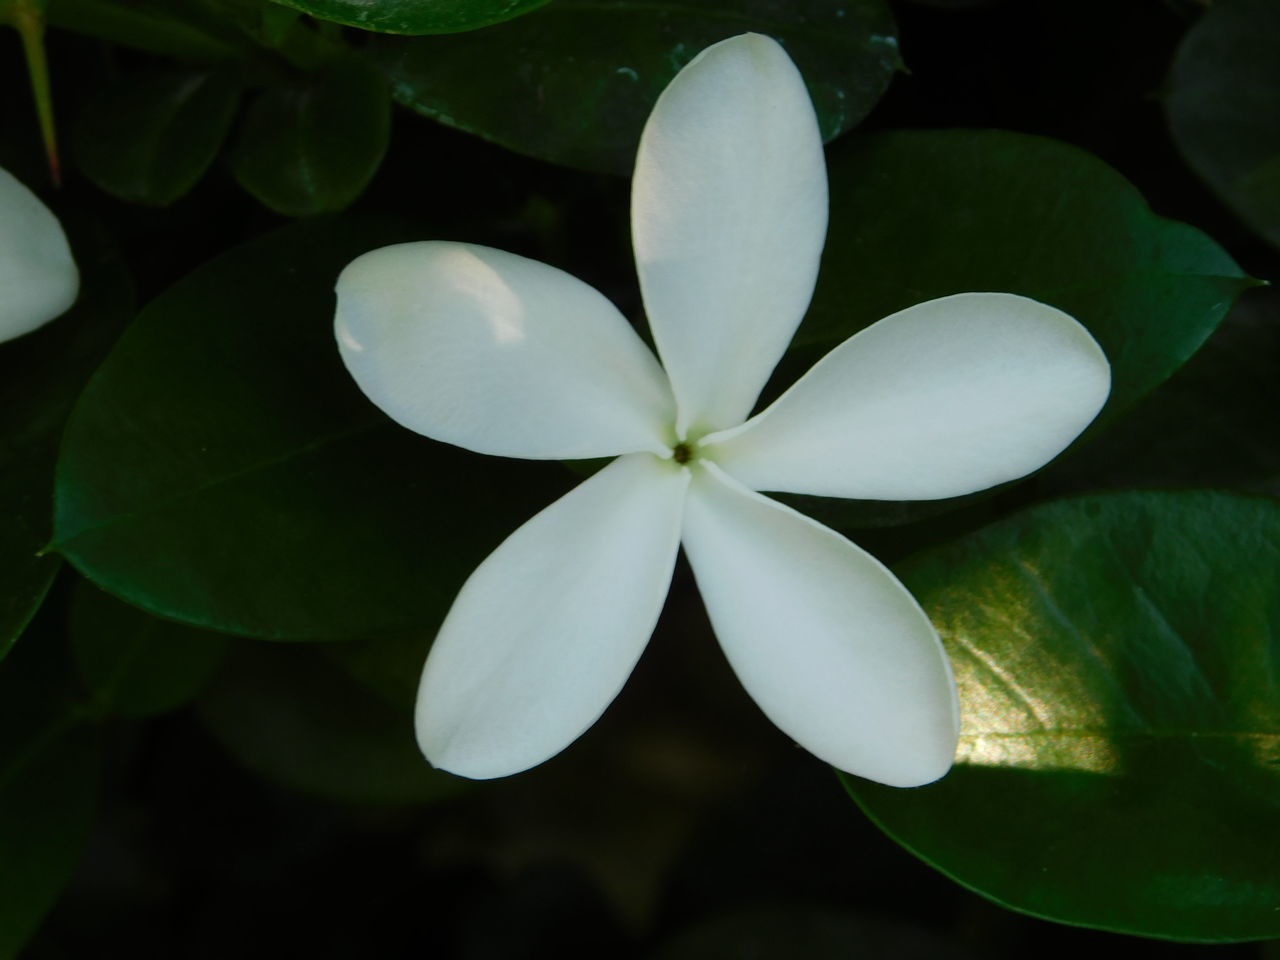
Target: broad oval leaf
(223, 470)
(294, 717)
(1119, 764)
(1224, 97)
(415, 16)
(135, 664)
(312, 144)
(149, 137)
(574, 82)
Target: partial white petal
(941, 399)
(728, 217)
(826, 640)
(546, 631)
(38, 277)
(499, 354)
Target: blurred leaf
(1119, 762)
(149, 137)
(574, 82)
(40, 376)
(1224, 98)
(135, 664)
(182, 29)
(1212, 424)
(49, 767)
(222, 468)
(293, 717)
(415, 16)
(312, 144)
(389, 666)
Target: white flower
(38, 278)
(506, 356)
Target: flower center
(682, 453)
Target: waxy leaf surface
(574, 82)
(223, 470)
(1119, 760)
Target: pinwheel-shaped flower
(38, 278)
(506, 356)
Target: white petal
(728, 216)
(38, 277)
(941, 399)
(499, 354)
(826, 640)
(546, 631)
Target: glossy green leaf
(40, 376)
(923, 214)
(222, 468)
(415, 16)
(135, 664)
(1223, 100)
(312, 144)
(185, 29)
(149, 137)
(1212, 424)
(574, 82)
(295, 718)
(49, 768)
(1119, 766)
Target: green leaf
(574, 82)
(49, 770)
(1213, 423)
(923, 214)
(182, 29)
(312, 144)
(149, 137)
(295, 718)
(223, 469)
(135, 664)
(415, 16)
(1223, 100)
(1119, 762)
(40, 376)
